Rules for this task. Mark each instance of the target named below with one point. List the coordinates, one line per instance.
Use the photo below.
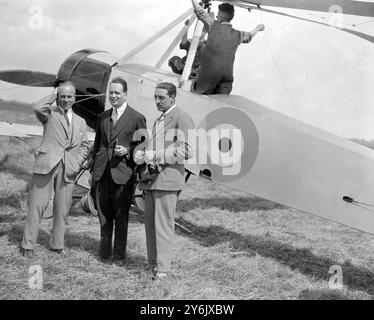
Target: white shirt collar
(121, 109)
(68, 111)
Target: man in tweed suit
(62, 151)
(165, 154)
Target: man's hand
(139, 156)
(54, 94)
(259, 28)
(120, 151)
(149, 156)
(195, 4)
(86, 165)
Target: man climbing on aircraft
(216, 72)
(177, 64)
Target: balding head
(66, 95)
(67, 85)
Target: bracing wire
(344, 23)
(359, 204)
(90, 97)
(279, 72)
(361, 23)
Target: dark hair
(228, 9)
(120, 81)
(169, 87)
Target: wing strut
(156, 36)
(174, 43)
(184, 83)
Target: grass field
(241, 247)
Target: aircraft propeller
(29, 78)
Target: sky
(319, 75)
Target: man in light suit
(62, 151)
(165, 156)
(113, 170)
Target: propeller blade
(29, 78)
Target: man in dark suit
(166, 156)
(61, 153)
(113, 167)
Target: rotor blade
(358, 8)
(29, 78)
(354, 32)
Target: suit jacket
(121, 168)
(60, 141)
(169, 142)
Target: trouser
(160, 209)
(115, 202)
(213, 82)
(40, 191)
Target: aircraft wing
(358, 8)
(20, 130)
(292, 163)
(27, 131)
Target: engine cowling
(89, 70)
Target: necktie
(162, 117)
(66, 117)
(114, 116)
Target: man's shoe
(150, 267)
(105, 260)
(119, 262)
(159, 275)
(28, 253)
(58, 251)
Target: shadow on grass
(13, 201)
(301, 260)
(230, 204)
(77, 241)
(15, 235)
(323, 295)
(10, 217)
(6, 166)
(81, 241)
